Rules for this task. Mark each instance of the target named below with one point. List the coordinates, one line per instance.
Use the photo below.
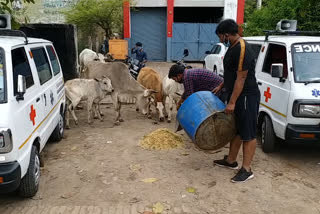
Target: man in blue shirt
(140, 54)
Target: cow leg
(117, 107)
(149, 110)
(68, 115)
(97, 111)
(72, 107)
(164, 106)
(89, 110)
(170, 108)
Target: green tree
(6, 8)
(306, 12)
(91, 14)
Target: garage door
(148, 25)
(196, 37)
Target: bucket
(202, 117)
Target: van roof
(11, 41)
(284, 39)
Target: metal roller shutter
(148, 25)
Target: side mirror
(208, 52)
(277, 71)
(186, 52)
(21, 90)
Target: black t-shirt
(231, 62)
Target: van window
(42, 64)
(53, 60)
(256, 50)
(20, 66)
(306, 62)
(2, 77)
(217, 50)
(213, 49)
(276, 54)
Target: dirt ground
(99, 168)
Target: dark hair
(139, 44)
(227, 26)
(175, 70)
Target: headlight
(5, 141)
(1, 141)
(306, 109)
(309, 110)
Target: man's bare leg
(249, 148)
(235, 145)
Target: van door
(48, 98)
(26, 113)
(274, 92)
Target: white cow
(126, 89)
(87, 56)
(173, 90)
(91, 90)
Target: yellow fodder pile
(161, 139)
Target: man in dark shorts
(243, 98)
(194, 80)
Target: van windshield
(2, 77)
(306, 62)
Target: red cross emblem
(33, 115)
(267, 94)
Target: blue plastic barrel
(201, 116)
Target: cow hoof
(169, 121)
(149, 116)
(121, 120)
(117, 123)
(67, 127)
(76, 122)
(96, 117)
(101, 114)
(166, 116)
(155, 123)
(137, 109)
(101, 120)
(161, 119)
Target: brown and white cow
(91, 90)
(126, 89)
(151, 79)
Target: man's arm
(188, 85)
(237, 89)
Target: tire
(58, 132)
(268, 137)
(30, 182)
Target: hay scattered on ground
(161, 139)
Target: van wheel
(215, 70)
(268, 138)
(30, 182)
(58, 132)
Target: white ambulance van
(288, 75)
(32, 105)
